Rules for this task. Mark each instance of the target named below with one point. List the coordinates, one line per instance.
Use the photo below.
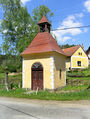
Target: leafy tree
(17, 26)
(66, 46)
(38, 12)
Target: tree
(66, 46)
(38, 13)
(17, 26)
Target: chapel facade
(43, 61)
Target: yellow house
(43, 61)
(77, 58)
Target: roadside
(80, 103)
(14, 108)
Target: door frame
(36, 76)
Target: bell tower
(44, 25)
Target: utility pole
(6, 78)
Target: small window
(79, 53)
(60, 73)
(79, 63)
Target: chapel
(43, 61)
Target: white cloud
(79, 15)
(87, 5)
(24, 1)
(70, 21)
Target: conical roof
(43, 20)
(43, 42)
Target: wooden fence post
(6, 78)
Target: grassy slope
(78, 80)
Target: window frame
(60, 74)
(79, 63)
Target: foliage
(79, 90)
(16, 27)
(78, 72)
(66, 46)
(80, 78)
(38, 12)
(13, 62)
(46, 95)
(14, 80)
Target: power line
(71, 28)
(67, 28)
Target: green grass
(46, 95)
(83, 73)
(1, 76)
(76, 88)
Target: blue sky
(67, 13)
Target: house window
(60, 73)
(79, 53)
(79, 63)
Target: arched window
(37, 66)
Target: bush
(2, 68)
(75, 70)
(12, 68)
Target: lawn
(78, 88)
(78, 80)
(46, 95)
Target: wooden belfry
(44, 25)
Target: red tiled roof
(43, 42)
(70, 51)
(43, 20)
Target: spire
(44, 25)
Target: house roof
(70, 51)
(43, 20)
(88, 51)
(43, 42)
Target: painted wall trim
(80, 57)
(79, 67)
(65, 72)
(71, 62)
(23, 73)
(52, 71)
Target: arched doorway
(37, 76)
